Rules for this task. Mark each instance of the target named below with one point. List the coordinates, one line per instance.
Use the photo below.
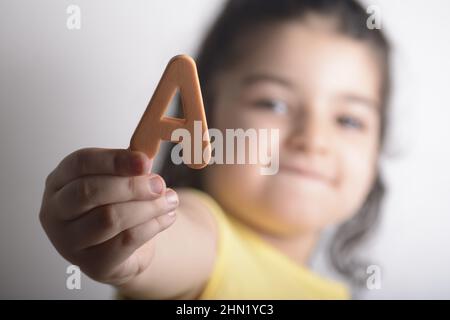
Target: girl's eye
(277, 106)
(350, 122)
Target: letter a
(180, 73)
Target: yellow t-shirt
(247, 267)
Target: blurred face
(322, 91)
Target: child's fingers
(84, 194)
(104, 223)
(115, 251)
(97, 161)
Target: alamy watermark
(73, 21)
(73, 281)
(374, 19)
(238, 146)
(373, 281)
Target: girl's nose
(309, 133)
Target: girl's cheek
(357, 166)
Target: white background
(61, 90)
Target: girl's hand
(102, 207)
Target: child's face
(322, 91)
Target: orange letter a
(153, 127)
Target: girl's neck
(298, 248)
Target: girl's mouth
(307, 173)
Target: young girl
(310, 68)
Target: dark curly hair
(220, 50)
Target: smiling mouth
(307, 173)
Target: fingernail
(171, 197)
(171, 213)
(156, 185)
